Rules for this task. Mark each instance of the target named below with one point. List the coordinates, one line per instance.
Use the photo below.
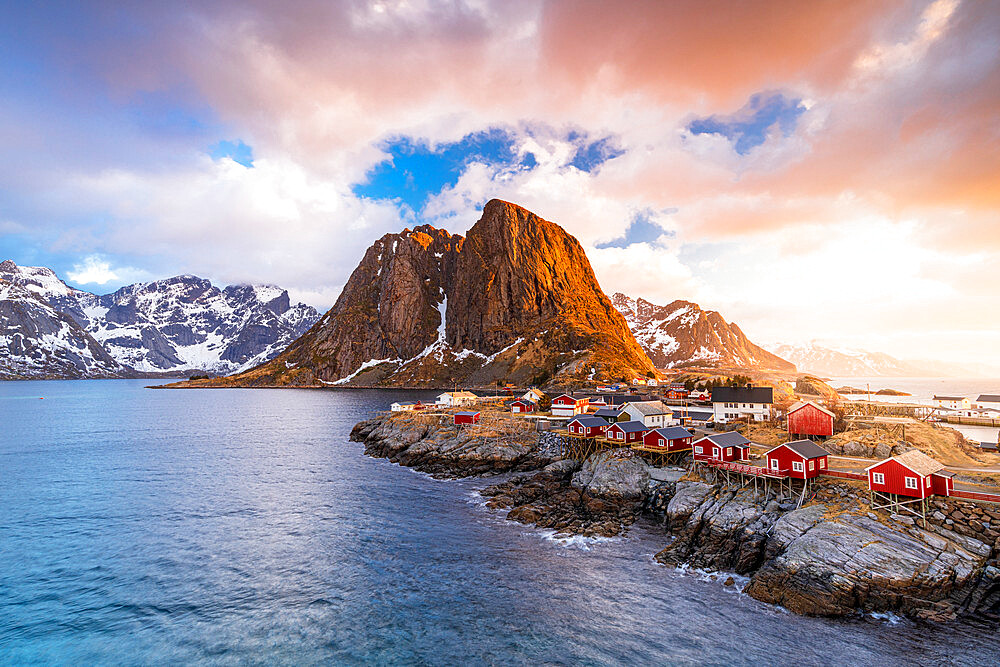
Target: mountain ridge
(682, 334)
(172, 325)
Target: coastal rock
(611, 474)
(433, 444)
(835, 567)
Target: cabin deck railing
(747, 469)
(843, 474)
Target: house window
(927, 482)
(729, 451)
(774, 464)
(911, 483)
(812, 465)
(878, 478)
(797, 466)
(698, 450)
(822, 463)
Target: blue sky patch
(748, 127)
(592, 154)
(235, 150)
(415, 170)
(642, 229)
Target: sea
(241, 527)
(922, 390)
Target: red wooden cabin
(467, 418)
(587, 426)
(808, 418)
(670, 439)
(720, 447)
(626, 432)
(523, 405)
(912, 474)
(801, 459)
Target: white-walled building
(952, 402)
(737, 403)
(455, 399)
(652, 414)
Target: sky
(822, 171)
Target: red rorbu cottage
(466, 418)
(670, 439)
(912, 474)
(587, 426)
(808, 418)
(676, 392)
(800, 459)
(626, 432)
(730, 446)
(523, 405)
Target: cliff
(682, 334)
(514, 301)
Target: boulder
(608, 474)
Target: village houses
(740, 403)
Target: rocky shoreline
(831, 557)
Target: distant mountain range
(515, 300)
(174, 325)
(818, 359)
(681, 334)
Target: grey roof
(647, 408)
(743, 395)
(467, 413)
(992, 446)
(989, 398)
(948, 398)
(589, 421)
(630, 427)
(805, 448)
(728, 439)
(674, 433)
(608, 412)
(700, 415)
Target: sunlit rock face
(515, 300)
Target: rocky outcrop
(434, 445)
(831, 558)
(516, 300)
(681, 334)
(601, 498)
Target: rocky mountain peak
(682, 334)
(515, 299)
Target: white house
(569, 405)
(737, 403)
(534, 395)
(952, 402)
(988, 401)
(405, 406)
(455, 399)
(652, 414)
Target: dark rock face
(516, 300)
(682, 334)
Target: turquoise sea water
(146, 526)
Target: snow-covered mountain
(177, 324)
(38, 341)
(820, 360)
(682, 334)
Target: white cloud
(93, 271)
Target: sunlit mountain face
(818, 171)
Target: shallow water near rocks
(240, 526)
